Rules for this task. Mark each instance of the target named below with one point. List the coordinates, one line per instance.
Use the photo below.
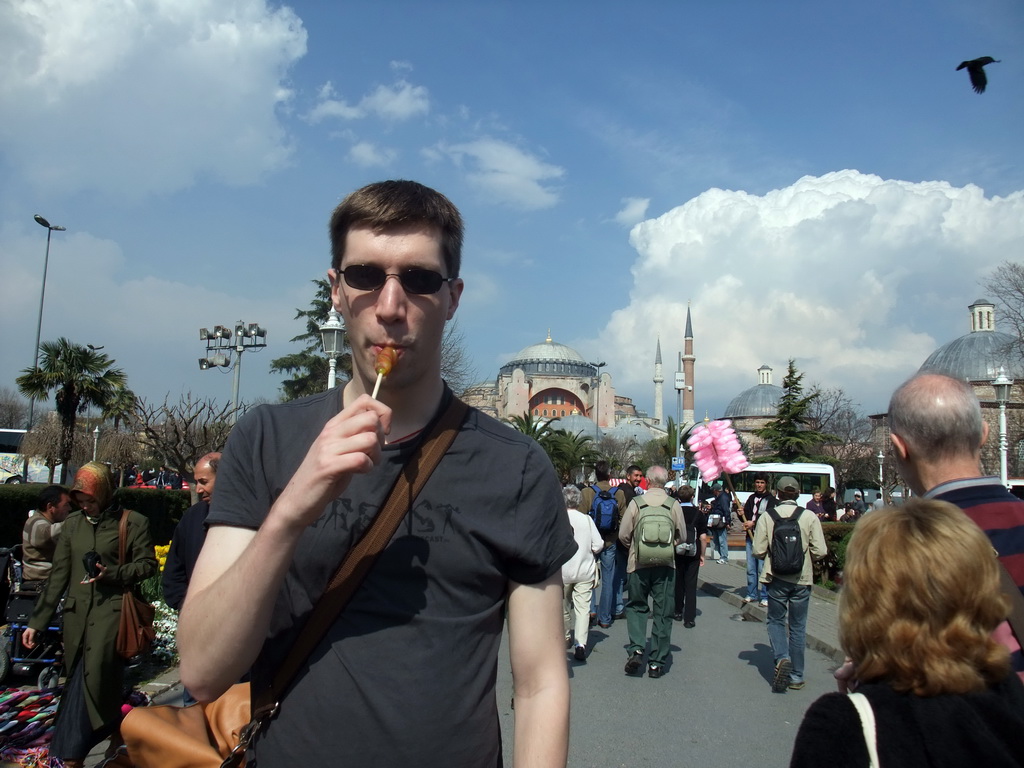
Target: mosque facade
(552, 382)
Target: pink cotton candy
(716, 449)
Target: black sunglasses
(365, 277)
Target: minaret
(688, 361)
(659, 411)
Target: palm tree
(570, 453)
(536, 428)
(120, 406)
(81, 376)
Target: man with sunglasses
(406, 675)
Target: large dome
(548, 351)
(759, 400)
(976, 356)
(552, 358)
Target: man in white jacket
(580, 572)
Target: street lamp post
(597, 400)
(50, 229)
(238, 340)
(881, 463)
(95, 441)
(1002, 387)
(332, 334)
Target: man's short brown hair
(388, 204)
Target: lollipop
(386, 359)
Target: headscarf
(94, 479)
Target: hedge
(164, 509)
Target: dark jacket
(748, 506)
(92, 611)
(186, 544)
(982, 729)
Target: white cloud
(509, 174)
(856, 277)
(394, 103)
(143, 98)
(633, 210)
(148, 323)
(368, 154)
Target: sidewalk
(729, 582)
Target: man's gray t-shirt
(406, 675)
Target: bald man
(937, 433)
(189, 535)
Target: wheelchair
(18, 598)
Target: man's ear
(900, 445)
(984, 433)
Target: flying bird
(976, 71)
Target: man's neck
(931, 475)
(412, 407)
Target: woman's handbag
(219, 733)
(135, 633)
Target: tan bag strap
(360, 558)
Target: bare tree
(43, 442)
(1006, 285)
(13, 409)
(456, 367)
(834, 413)
(182, 433)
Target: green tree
(309, 368)
(791, 435)
(81, 376)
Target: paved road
(714, 707)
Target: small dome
(577, 424)
(631, 431)
(759, 400)
(975, 357)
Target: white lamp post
(1002, 387)
(95, 441)
(881, 463)
(332, 334)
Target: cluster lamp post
(238, 339)
(1002, 386)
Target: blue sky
(816, 180)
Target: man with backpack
(788, 538)
(651, 527)
(605, 505)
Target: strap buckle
(236, 757)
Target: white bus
(810, 477)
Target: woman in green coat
(90, 707)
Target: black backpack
(787, 545)
(604, 509)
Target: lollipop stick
(376, 387)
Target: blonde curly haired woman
(919, 603)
